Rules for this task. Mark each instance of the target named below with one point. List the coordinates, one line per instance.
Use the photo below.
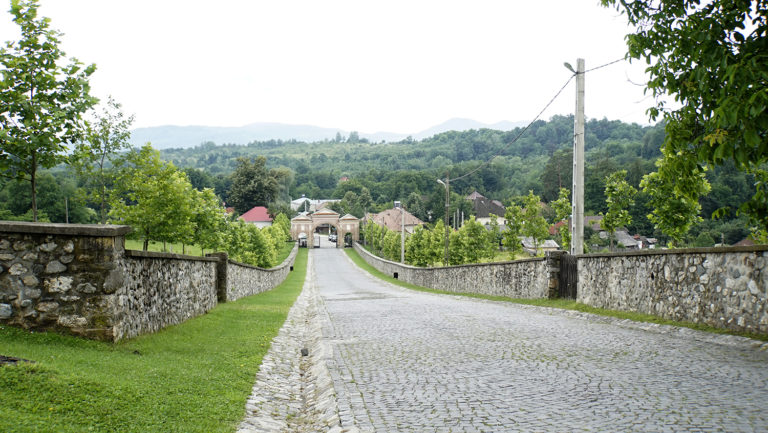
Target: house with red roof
(259, 215)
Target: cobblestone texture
(405, 361)
(294, 393)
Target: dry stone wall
(79, 279)
(160, 290)
(518, 279)
(721, 287)
(54, 278)
(246, 280)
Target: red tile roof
(257, 214)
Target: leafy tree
(252, 184)
(57, 198)
(710, 56)
(674, 213)
(283, 221)
(474, 242)
(390, 245)
(105, 137)
(417, 247)
(494, 235)
(562, 208)
(619, 199)
(513, 217)
(534, 225)
(456, 249)
(209, 219)
(153, 197)
(41, 101)
(557, 174)
(704, 239)
(436, 247)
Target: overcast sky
(396, 66)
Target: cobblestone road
(406, 361)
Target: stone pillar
(221, 275)
(553, 273)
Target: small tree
(514, 224)
(41, 101)
(673, 212)
(105, 137)
(534, 225)
(436, 250)
(619, 197)
(154, 198)
(210, 220)
(562, 208)
(474, 242)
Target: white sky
(395, 66)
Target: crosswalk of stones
(395, 360)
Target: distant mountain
(166, 137)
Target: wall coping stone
(286, 262)
(173, 256)
(96, 230)
(654, 251)
(431, 268)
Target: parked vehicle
(332, 238)
(302, 240)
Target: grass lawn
(567, 304)
(193, 377)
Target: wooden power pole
(577, 214)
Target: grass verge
(566, 304)
(193, 377)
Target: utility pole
(447, 185)
(577, 211)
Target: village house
(391, 219)
(259, 216)
(484, 207)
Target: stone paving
(406, 361)
(386, 359)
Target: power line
(520, 134)
(604, 65)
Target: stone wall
(162, 289)
(518, 279)
(79, 279)
(61, 277)
(721, 287)
(246, 280)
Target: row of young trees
(472, 242)
(159, 202)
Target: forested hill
(519, 167)
(540, 160)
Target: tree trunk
(33, 180)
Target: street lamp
(402, 230)
(446, 184)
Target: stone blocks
(519, 279)
(721, 287)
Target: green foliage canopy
(711, 57)
(41, 101)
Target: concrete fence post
(554, 259)
(221, 275)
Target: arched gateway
(308, 223)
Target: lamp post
(402, 231)
(446, 184)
